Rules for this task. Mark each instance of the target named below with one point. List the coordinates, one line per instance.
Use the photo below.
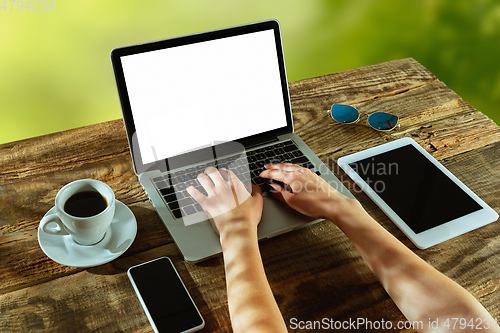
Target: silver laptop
(215, 98)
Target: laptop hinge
(254, 143)
(207, 154)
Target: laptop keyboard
(172, 186)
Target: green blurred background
(55, 72)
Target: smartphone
(164, 298)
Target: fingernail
(275, 188)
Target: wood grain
(314, 272)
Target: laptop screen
(186, 97)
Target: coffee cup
(84, 210)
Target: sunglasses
(347, 114)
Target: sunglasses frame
(398, 125)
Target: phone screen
(164, 297)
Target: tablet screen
(421, 194)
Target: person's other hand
(228, 203)
(311, 196)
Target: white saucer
(120, 235)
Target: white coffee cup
(84, 230)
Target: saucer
(118, 238)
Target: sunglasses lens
(382, 121)
(344, 113)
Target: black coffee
(85, 204)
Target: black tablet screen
(418, 192)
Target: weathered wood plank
(315, 260)
(63, 151)
(430, 113)
(33, 170)
(315, 272)
(102, 298)
(101, 286)
(361, 84)
(424, 104)
(24, 264)
(25, 201)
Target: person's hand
(228, 203)
(311, 196)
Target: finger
(224, 173)
(255, 190)
(240, 190)
(277, 174)
(277, 192)
(203, 201)
(294, 179)
(206, 183)
(282, 191)
(282, 166)
(274, 165)
(195, 194)
(282, 170)
(214, 175)
(233, 179)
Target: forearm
(252, 306)
(420, 291)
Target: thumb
(280, 193)
(255, 190)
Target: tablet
(425, 200)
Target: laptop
(215, 98)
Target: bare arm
(421, 292)
(235, 214)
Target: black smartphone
(165, 299)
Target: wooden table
(314, 272)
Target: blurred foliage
(55, 72)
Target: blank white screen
(187, 97)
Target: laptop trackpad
(278, 218)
